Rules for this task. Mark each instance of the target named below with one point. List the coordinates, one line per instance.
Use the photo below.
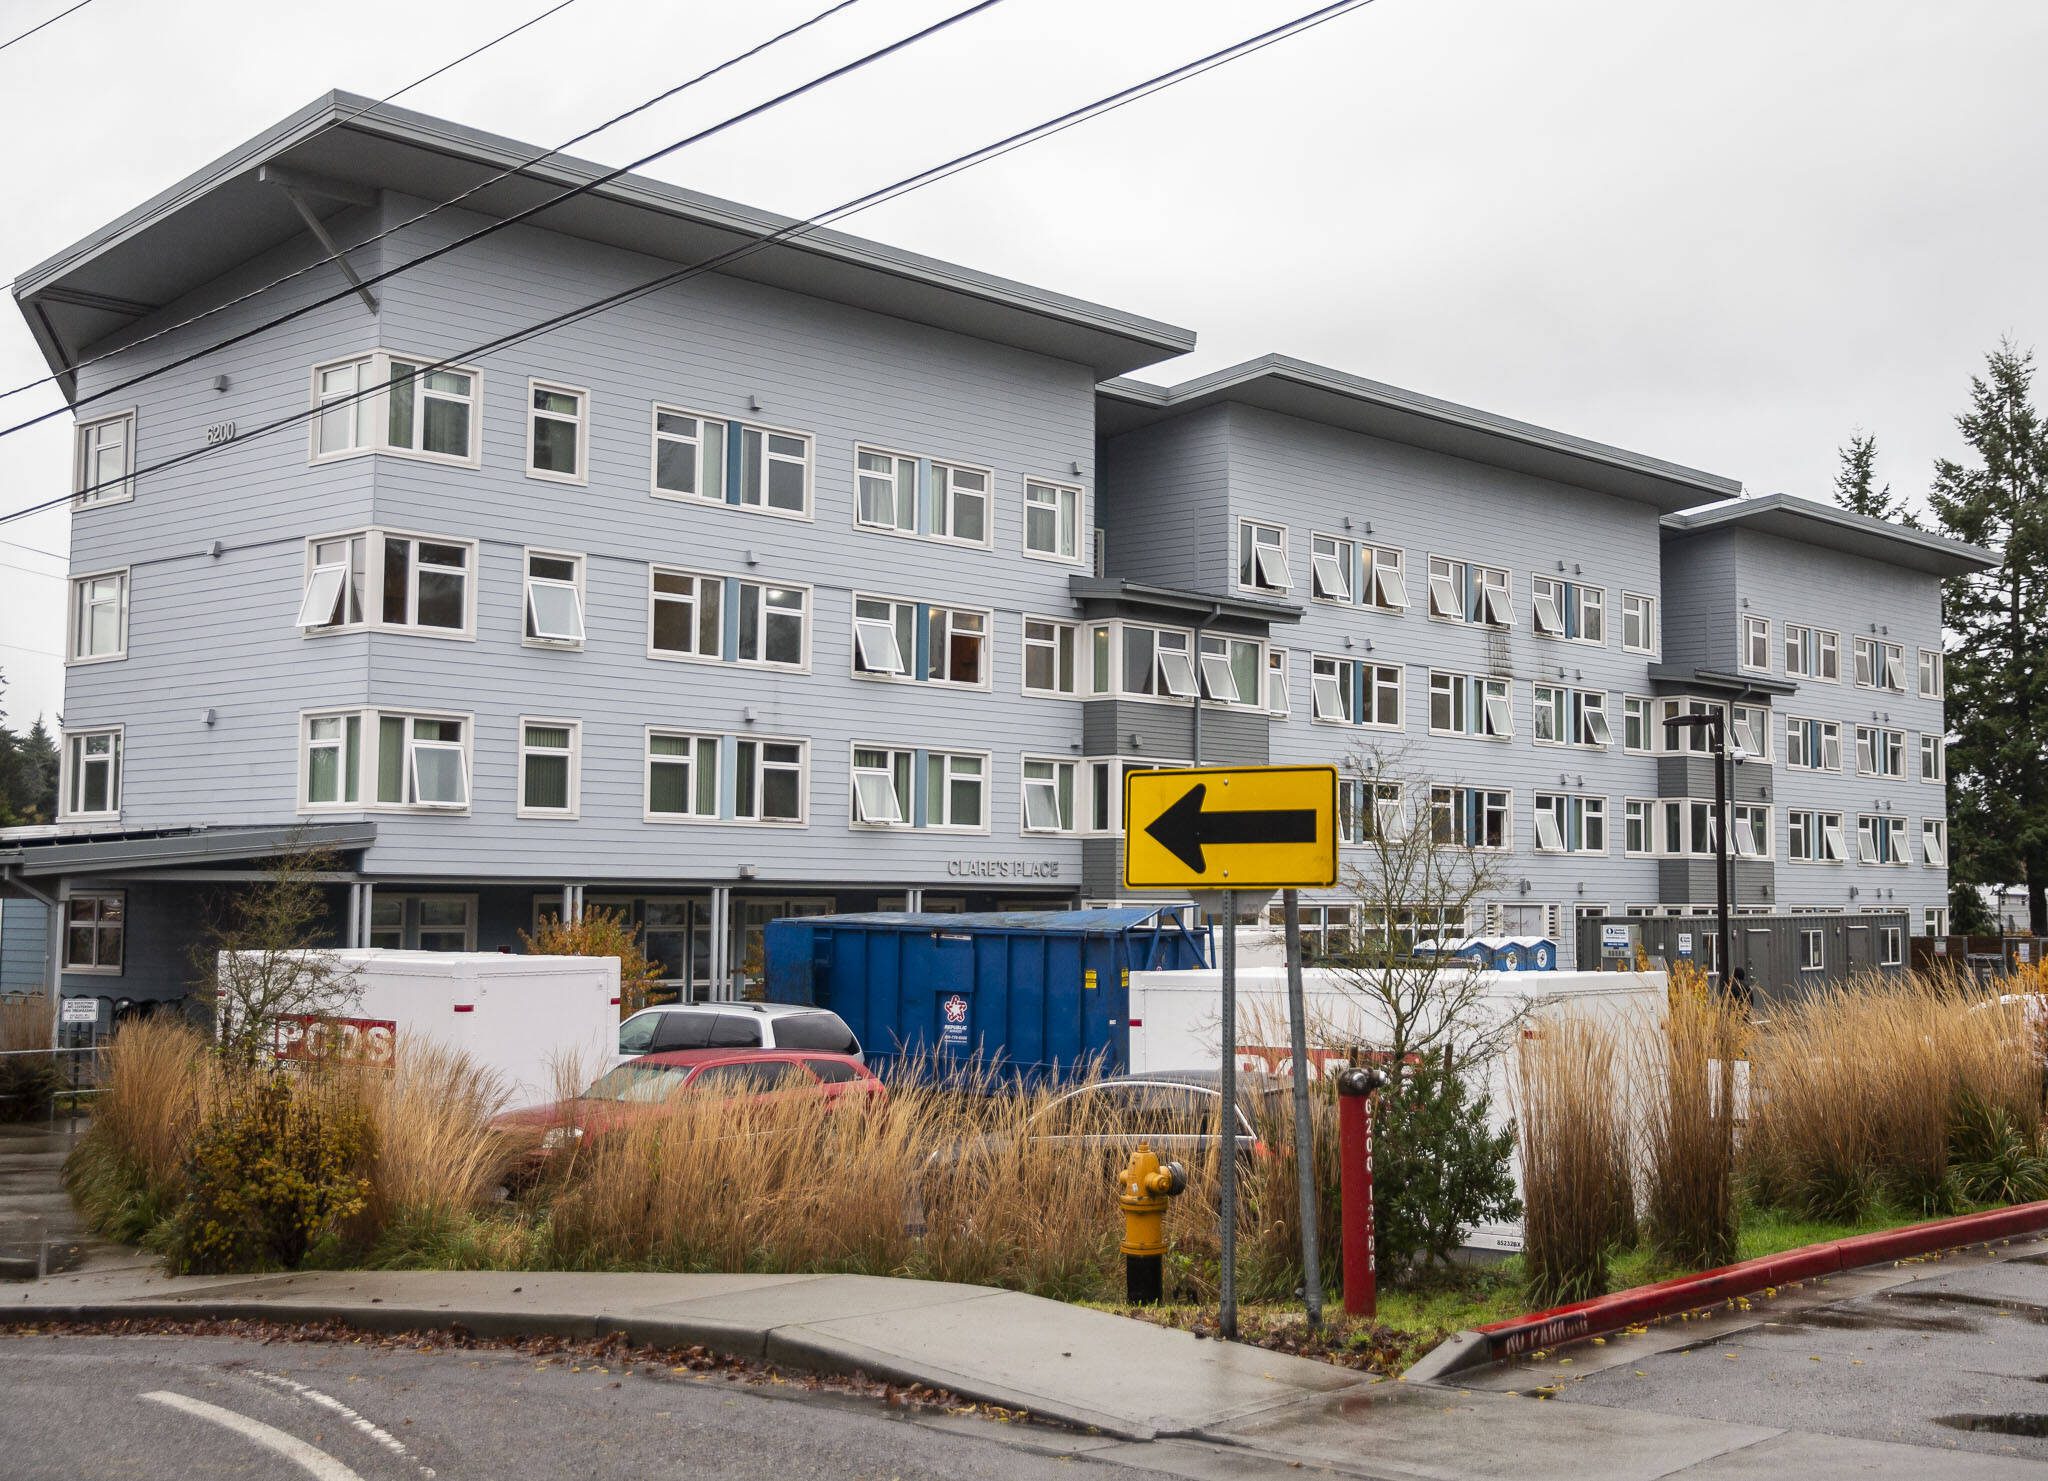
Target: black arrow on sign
(1184, 828)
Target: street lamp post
(1716, 726)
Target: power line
(336, 123)
(484, 184)
(36, 550)
(959, 163)
(40, 24)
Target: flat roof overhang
(1719, 682)
(1108, 595)
(223, 214)
(1338, 399)
(1833, 528)
(48, 852)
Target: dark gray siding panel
(24, 937)
(1164, 502)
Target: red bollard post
(1354, 1182)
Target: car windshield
(638, 1082)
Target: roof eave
(1810, 521)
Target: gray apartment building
(842, 578)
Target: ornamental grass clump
(1577, 1194)
(157, 1080)
(1688, 1074)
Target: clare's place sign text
(1230, 828)
(1003, 868)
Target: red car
(638, 1086)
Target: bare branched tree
(1425, 866)
(261, 961)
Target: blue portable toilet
(1475, 951)
(1035, 992)
(1523, 953)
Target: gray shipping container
(1782, 956)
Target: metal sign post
(1304, 1139)
(1226, 1123)
(1230, 829)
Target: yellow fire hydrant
(1146, 1186)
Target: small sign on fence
(80, 1010)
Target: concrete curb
(1611, 1313)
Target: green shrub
(1437, 1168)
(27, 1081)
(1994, 1157)
(276, 1167)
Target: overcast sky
(1721, 234)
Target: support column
(721, 943)
(354, 931)
(913, 900)
(364, 915)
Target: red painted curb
(1611, 1313)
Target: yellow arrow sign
(1231, 828)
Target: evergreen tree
(1998, 668)
(39, 767)
(1856, 482)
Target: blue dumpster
(1039, 993)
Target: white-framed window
(1799, 652)
(1369, 810)
(1568, 609)
(774, 627)
(1571, 717)
(1049, 795)
(1750, 825)
(1756, 643)
(884, 637)
(1934, 921)
(1051, 652)
(94, 932)
(886, 490)
(1891, 946)
(1350, 692)
(422, 922)
(769, 779)
(1827, 664)
(550, 763)
(1232, 670)
(1638, 734)
(1158, 662)
(1277, 699)
(1931, 666)
(685, 614)
(1333, 562)
(1814, 837)
(389, 403)
(682, 775)
(960, 504)
(1262, 556)
(1934, 842)
(1880, 665)
(1383, 582)
(1469, 704)
(91, 784)
(1813, 745)
(1880, 839)
(423, 761)
(956, 790)
(881, 786)
(554, 599)
(397, 582)
(1472, 817)
(1460, 591)
(1749, 730)
(557, 436)
(721, 461)
(1639, 823)
(1686, 740)
(958, 638)
(331, 762)
(1102, 789)
(1813, 956)
(1052, 520)
(1671, 827)
(1568, 823)
(103, 461)
(689, 455)
(1638, 622)
(1933, 758)
(337, 576)
(98, 618)
(1880, 751)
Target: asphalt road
(1949, 1355)
(99, 1407)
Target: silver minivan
(735, 1026)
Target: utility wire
(516, 218)
(475, 51)
(484, 184)
(1059, 124)
(40, 24)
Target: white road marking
(376, 1432)
(309, 1458)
